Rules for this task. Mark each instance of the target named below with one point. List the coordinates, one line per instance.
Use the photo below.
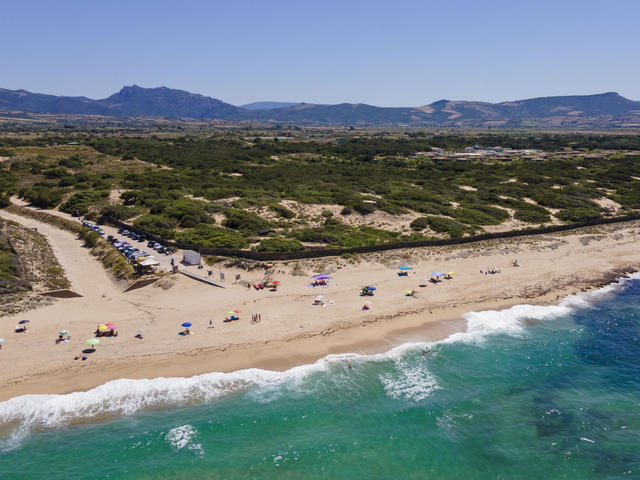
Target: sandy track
(86, 274)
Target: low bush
(244, 221)
(80, 202)
(43, 196)
(574, 215)
(419, 224)
(159, 225)
(211, 236)
(120, 212)
(282, 211)
(454, 228)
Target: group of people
(256, 317)
(490, 271)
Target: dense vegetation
(9, 263)
(229, 191)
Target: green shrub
(454, 228)
(346, 211)
(81, 201)
(189, 213)
(530, 213)
(419, 224)
(282, 211)
(43, 197)
(120, 212)
(247, 222)
(479, 214)
(90, 237)
(365, 208)
(575, 215)
(206, 235)
(159, 225)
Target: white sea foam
(184, 436)
(126, 396)
(409, 382)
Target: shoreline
(375, 337)
(293, 330)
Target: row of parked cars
(93, 227)
(158, 247)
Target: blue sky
(391, 53)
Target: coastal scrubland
(289, 191)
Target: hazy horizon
(408, 53)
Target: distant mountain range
(267, 105)
(606, 110)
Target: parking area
(136, 248)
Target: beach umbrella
(322, 276)
(63, 332)
(237, 311)
(319, 297)
(1, 340)
(405, 268)
(186, 324)
(276, 282)
(102, 328)
(140, 331)
(437, 274)
(22, 322)
(371, 289)
(111, 325)
(92, 342)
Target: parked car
(110, 238)
(157, 246)
(120, 231)
(142, 237)
(125, 233)
(101, 231)
(151, 243)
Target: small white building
(189, 257)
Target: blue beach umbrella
(405, 268)
(22, 322)
(437, 274)
(371, 289)
(186, 324)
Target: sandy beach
(292, 330)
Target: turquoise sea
(526, 393)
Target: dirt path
(86, 275)
(164, 260)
